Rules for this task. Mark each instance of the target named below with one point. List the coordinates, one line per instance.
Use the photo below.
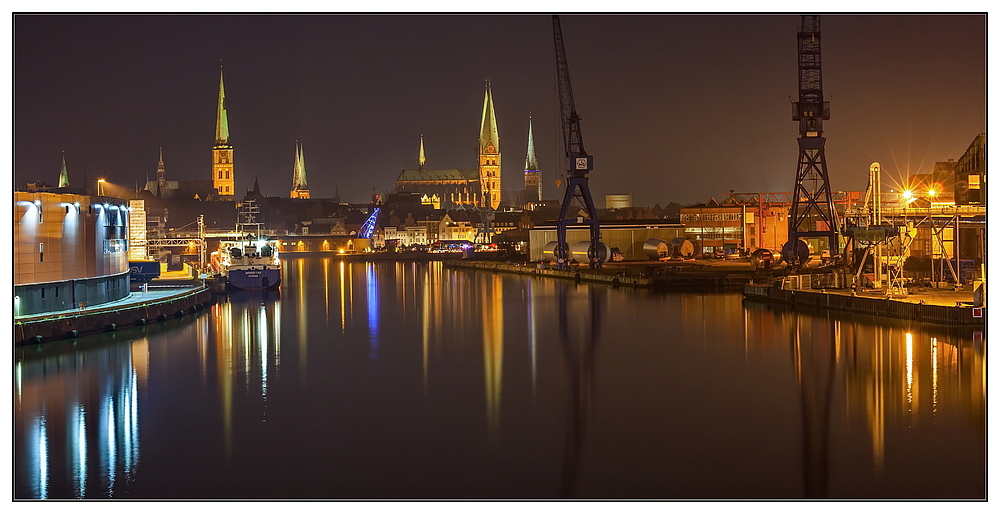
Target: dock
(675, 276)
(175, 295)
(927, 306)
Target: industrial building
(627, 236)
(70, 251)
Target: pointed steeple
(489, 155)
(488, 132)
(422, 159)
(532, 177)
(222, 120)
(303, 182)
(64, 174)
(223, 172)
(530, 163)
(161, 171)
(300, 187)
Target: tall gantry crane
(812, 213)
(579, 164)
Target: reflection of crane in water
(815, 359)
(580, 354)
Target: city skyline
(674, 107)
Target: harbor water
(409, 380)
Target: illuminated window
(973, 183)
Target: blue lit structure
(368, 228)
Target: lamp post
(100, 189)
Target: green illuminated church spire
(489, 153)
(64, 174)
(223, 172)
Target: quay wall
(582, 275)
(885, 307)
(92, 321)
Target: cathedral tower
(532, 177)
(300, 186)
(489, 153)
(223, 176)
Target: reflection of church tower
(64, 174)
(223, 176)
(300, 186)
(532, 177)
(489, 153)
(161, 172)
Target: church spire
(161, 171)
(64, 173)
(422, 159)
(532, 177)
(530, 163)
(488, 131)
(223, 172)
(222, 120)
(489, 154)
(300, 186)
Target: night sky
(674, 107)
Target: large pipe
(657, 249)
(548, 252)
(683, 248)
(580, 252)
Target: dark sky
(674, 107)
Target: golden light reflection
(326, 289)
(223, 314)
(934, 375)
(491, 303)
(343, 320)
(425, 322)
(302, 312)
(909, 371)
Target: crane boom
(572, 137)
(579, 163)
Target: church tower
(161, 172)
(64, 174)
(532, 177)
(489, 153)
(422, 160)
(300, 186)
(223, 176)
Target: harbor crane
(578, 162)
(812, 213)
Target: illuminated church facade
(451, 189)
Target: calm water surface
(393, 380)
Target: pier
(139, 308)
(932, 306)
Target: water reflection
(579, 350)
(847, 371)
(402, 380)
(74, 409)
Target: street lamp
(100, 190)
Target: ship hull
(255, 278)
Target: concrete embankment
(914, 308)
(585, 275)
(68, 324)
